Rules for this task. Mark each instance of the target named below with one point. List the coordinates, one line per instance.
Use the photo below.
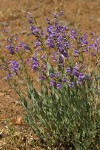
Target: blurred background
(84, 13)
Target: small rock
(17, 103)
(23, 32)
(9, 91)
(98, 19)
(4, 23)
(2, 94)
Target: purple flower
(81, 76)
(26, 48)
(92, 33)
(52, 83)
(85, 50)
(41, 77)
(66, 44)
(79, 81)
(64, 54)
(30, 21)
(75, 72)
(14, 66)
(64, 28)
(75, 52)
(37, 43)
(55, 15)
(50, 29)
(54, 57)
(90, 46)
(51, 75)
(11, 49)
(42, 57)
(76, 65)
(42, 33)
(83, 40)
(73, 34)
(63, 79)
(60, 61)
(21, 44)
(58, 27)
(8, 76)
(57, 74)
(71, 84)
(68, 69)
(50, 42)
(95, 45)
(93, 54)
(44, 67)
(58, 86)
(30, 18)
(48, 21)
(34, 30)
(60, 38)
(61, 13)
(34, 63)
(17, 48)
(27, 60)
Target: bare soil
(14, 133)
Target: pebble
(2, 94)
(98, 19)
(4, 23)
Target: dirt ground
(13, 18)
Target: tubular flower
(14, 66)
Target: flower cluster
(66, 48)
(14, 66)
(34, 63)
(11, 49)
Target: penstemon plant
(56, 75)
